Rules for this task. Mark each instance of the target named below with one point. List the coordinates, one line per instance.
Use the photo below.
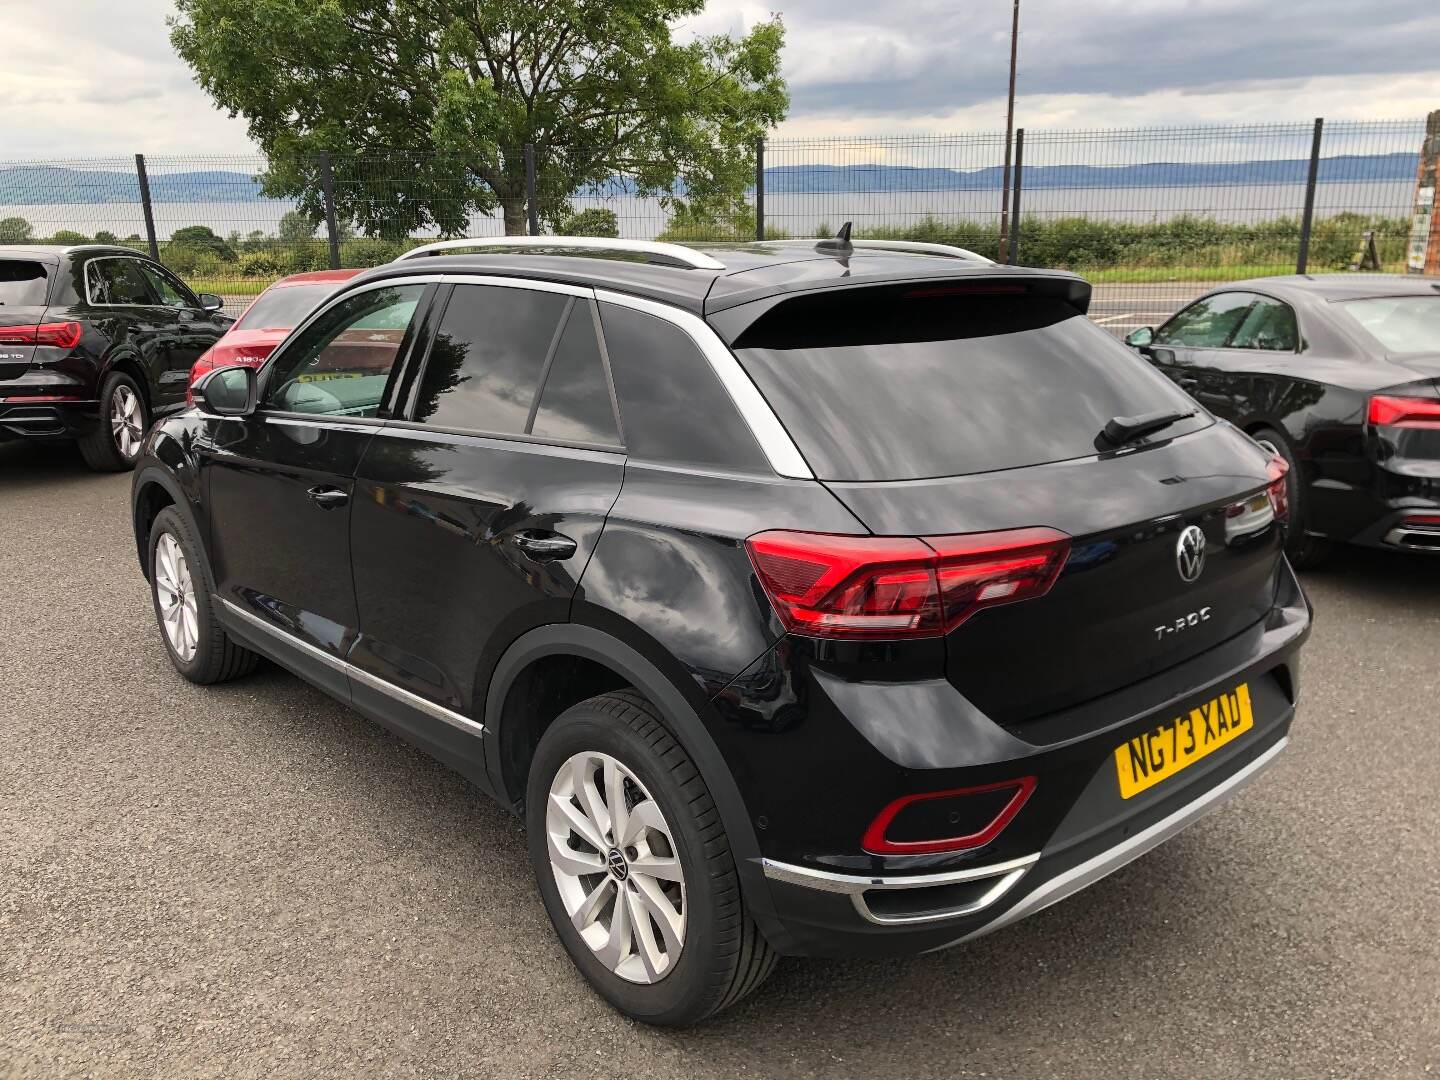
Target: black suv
(821, 599)
(94, 342)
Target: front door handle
(541, 545)
(328, 498)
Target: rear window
(23, 283)
(285, 307)
(1402, 324)
(902, 383)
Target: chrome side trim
(775, 442)
(1107, 862)
(384, 686)
(1403, 536)
(683, 255)
(1006, 874)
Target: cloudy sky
(94, 77)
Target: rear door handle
(328, 498)
(541, 545)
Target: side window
(575, 403)
(672, 404)
(1207, 323)
(168, 288)
(1270, 325)
(116, 281)
(484, 366)
(341, 362)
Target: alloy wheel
(125, 421)
(175, 591)
(616, 867)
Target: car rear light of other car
(59, 335)
(1389, 411)
(829, 586)
(941, 821)
(1278, 489)
(198, 370)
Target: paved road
(253, 881)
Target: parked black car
(95, 341)
(809, 599)
(1337, 373)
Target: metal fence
(1152, 216)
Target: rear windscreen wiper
(1123, 429)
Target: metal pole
(530, 199)
(1009, 128)
(146, 207)
(1309, 217)
(1014, 251)
(327, 186)
(760, 188)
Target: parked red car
(272, 315)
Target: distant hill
(28, 185)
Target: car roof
(749, 271)
(1333, 287)
(317, 277)
(55, 252)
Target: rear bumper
(1075, 829)
(1373, 513)
(45, 421)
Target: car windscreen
(1401, 324)
(23, 283)
(914, 381)
(283, 308)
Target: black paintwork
(418, 584)
(154, 343)
(1355, 479)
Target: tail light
(899, 587)
(200, 368)
(940, 821)
(60, 335)
(1388, 411)
(1278, 489)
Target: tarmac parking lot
(251, 880)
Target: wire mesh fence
(1152, 216)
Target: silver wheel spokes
(125, 421)
(176, 595)
(616, 867)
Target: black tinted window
(672, 405)
(1207, 323)
(1269, 325)
(899, 383)
(23, 283)
(117, 281)
(484, 366)
(282, 307)
(575, 400)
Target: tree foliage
(600, 89)
(202, 238)
(15, 230)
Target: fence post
(149, 210)
(1014, 252)
(531, 207)
(327, 187)
(1309, 216)
(760, 188)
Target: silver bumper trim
(1107, 862)
(855, 886)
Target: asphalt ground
(253, 881)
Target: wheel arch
(130, 363)
(154, 489)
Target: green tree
(15, 230)
(105, 236)
(592, 221)
(601, 90)
(203, 238)
(69, 236)
(296, 225)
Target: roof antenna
(840, 245)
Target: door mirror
(227, 391)
(1141, 337)
(210, 303)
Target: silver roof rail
(676, 253)
(914, 247)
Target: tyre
(646, 900)
(197, 644)
(1303, 550)
(124, 419)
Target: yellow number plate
(1156, 755)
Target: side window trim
(560, 325)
